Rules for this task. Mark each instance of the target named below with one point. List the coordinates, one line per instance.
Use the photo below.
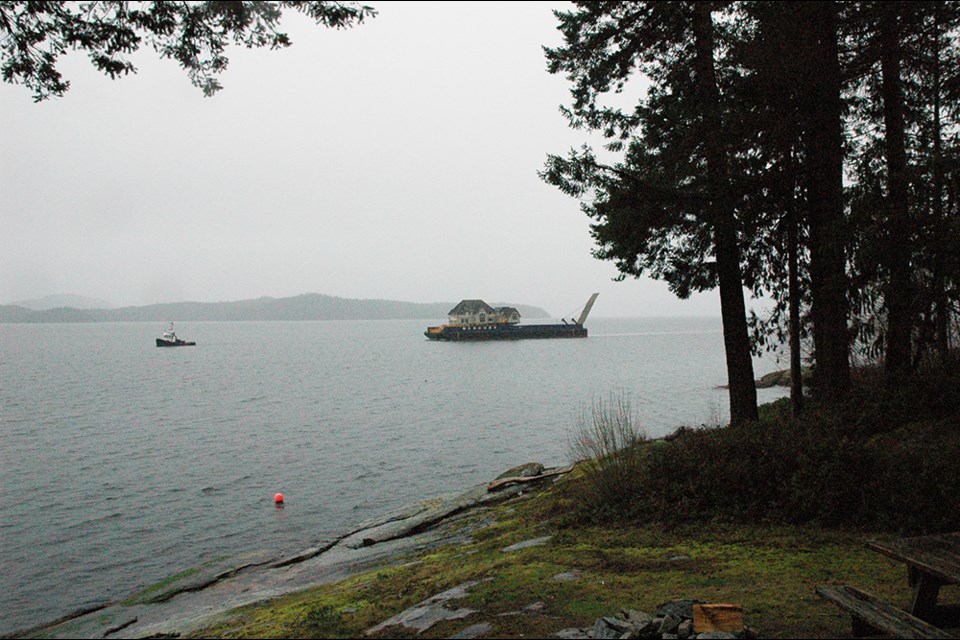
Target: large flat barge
(476, 320)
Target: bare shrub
(606, 442)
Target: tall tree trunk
(898, 295)
(743, 390)
(824, 143)
(793, 292)
(942, 309)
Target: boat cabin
(472, 312)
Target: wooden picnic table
(932, 561)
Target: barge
(476, 320)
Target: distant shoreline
(310, 306)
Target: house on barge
(476, 320)
(472, 312)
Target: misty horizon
(82, 302)
(410, 176)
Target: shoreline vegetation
(755, 514)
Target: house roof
(470, 307)
(506, 311)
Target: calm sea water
(122, 463)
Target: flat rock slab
(423, 515)
(424, 615)
(569, 576)
(526, 544)
(473, 631)
(205, 576)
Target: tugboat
(476, 320)
(170, 339)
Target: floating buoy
(278, 499)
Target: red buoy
(278, 498)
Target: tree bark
(743, 391)
(793, 292)
(898, 294)
(942, 311)
(824, 146)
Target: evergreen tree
(898, 293)
(667, 208)
(904, 67)
(738, 153)
(821, 109)
(770, 128)
(33, 35)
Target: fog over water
(394, 160)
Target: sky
(396, 160)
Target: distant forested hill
(309, 306)
(62, 300)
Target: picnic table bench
(932, 561)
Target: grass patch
(770, 570)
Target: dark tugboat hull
(174, 343)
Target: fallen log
(503, 482)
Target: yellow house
(473, 312)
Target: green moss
(161, 589)
(155, 590)
(106, 618)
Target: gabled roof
(506, 311)
(470, 307)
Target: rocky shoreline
(191, 600)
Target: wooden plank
(937, 555)
(872, 612)
(717, 617)
(502, 482)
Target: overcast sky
(397, 160)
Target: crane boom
(587, 308)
